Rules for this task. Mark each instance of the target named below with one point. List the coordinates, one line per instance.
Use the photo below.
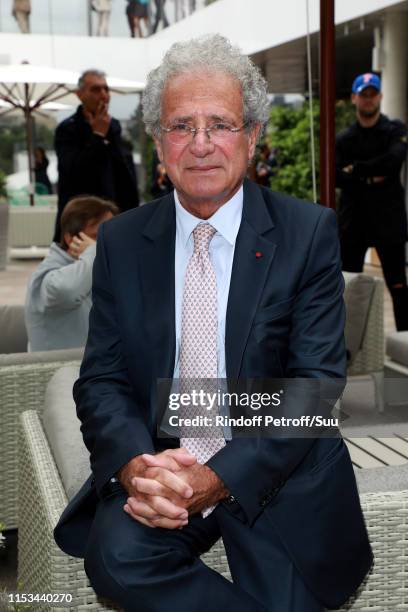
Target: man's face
(94, 92)
(367, 102)
(203, 171)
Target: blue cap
(366, 80)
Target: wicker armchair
(13, 337)
(44, 568)
(384, 499)
(368, 359)
(23, 379)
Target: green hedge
(288, 132)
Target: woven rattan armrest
(22, 387)
(370, 357)
(42, 566)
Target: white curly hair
(207, 53)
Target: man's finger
(170, 459)
(140, 508)
(100, 108)
(163, 483)
(172, 481)
(149, 486)
(181, 455)
(135, 517)
(155, 506)
(166, 523)
(162, 522)
(161, 461)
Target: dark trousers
(392, 257)
(160, 15)
(159, 570)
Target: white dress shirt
(226, 221)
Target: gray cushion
(397, 347)
(62, 429)
(15, 359)
(358, 294)
(13, 336)
(387, 478)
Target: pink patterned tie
(198, 352)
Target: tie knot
(202, 236)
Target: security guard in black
(369, 158)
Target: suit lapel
(254, 252)
(157, 274)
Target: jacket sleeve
(67, 287)
(391, 161)
(316, 350)
(343, 179)
(113, 425)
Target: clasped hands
(164, 489)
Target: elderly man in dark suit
(91, 157)
(222, 279)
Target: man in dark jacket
(90, 154)
(369, 157)
(287, 508)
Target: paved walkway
(13, 280)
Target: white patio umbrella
(6, 108)
(30, 88)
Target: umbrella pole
(89, 17)
(29, 138)
(327, 103)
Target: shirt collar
(226, 220)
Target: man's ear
(159, 148)
(252, 138)
(353, 98)
(79, 94)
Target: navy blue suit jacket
(285, 318)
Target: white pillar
(395, 66)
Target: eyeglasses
(181, 133)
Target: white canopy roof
(47, 106)
(46, 75)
